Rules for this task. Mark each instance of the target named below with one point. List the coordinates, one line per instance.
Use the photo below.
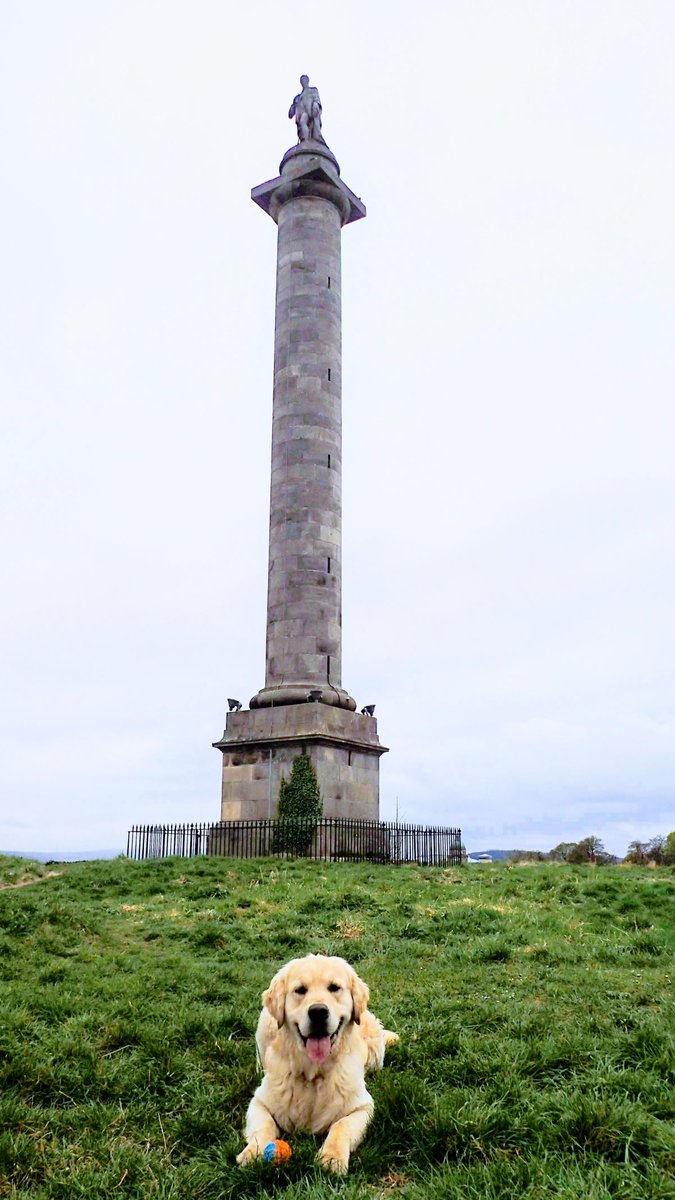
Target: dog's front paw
(249, 1154)
(333, 1158)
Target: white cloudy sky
(509, 376)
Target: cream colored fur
(297, 1093)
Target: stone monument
(303, 708)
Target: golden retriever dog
(315, 1041)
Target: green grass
(536, 1056)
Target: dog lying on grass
(315, 1041)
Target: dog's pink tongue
(318, 1049)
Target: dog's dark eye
(301, 991)
(334, 987)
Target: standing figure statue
(306, 108)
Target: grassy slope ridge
(536, 1056)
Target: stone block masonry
(259, 747)
(303, 707)
(304, 591)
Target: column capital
(309, 169)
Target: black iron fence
(330, 840)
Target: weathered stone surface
(259, 747)
(310, 204)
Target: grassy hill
(536, 1056)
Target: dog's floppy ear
(360, 996)
(274, 999)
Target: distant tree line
(588, 850)
(659, 850)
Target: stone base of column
(259, 746)
(299, 693)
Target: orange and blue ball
(277, 1152)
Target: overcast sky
(508, 387)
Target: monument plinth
(303, 707)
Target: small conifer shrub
(300, 808)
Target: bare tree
(637, 852)
(562, 851)
(656, 849)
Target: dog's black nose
(318, 1016)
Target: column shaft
(304, 585)
(310, 205)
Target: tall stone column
(302, 707)
(304, 601)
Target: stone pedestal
(259, 746)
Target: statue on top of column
(306, 108)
